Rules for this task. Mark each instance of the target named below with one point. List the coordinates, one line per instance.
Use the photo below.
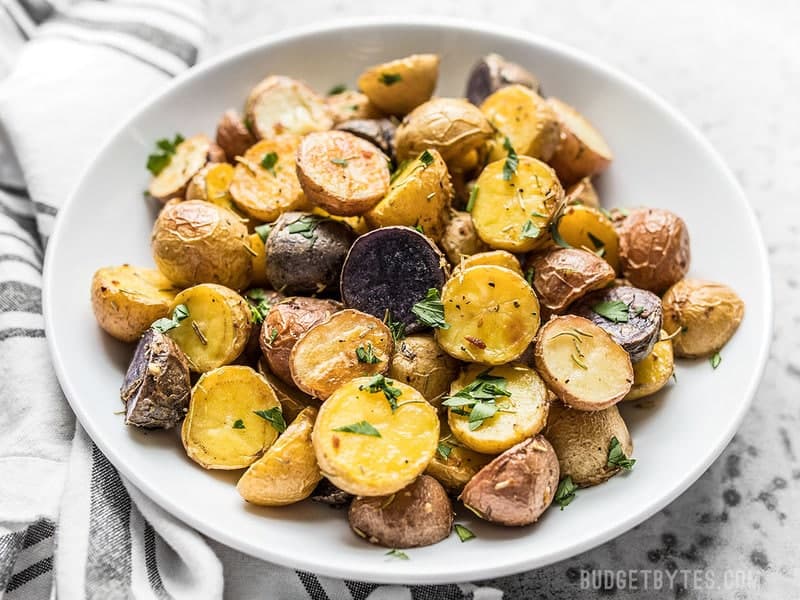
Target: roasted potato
(156, 387)
(127, 299)
(327, 493)
(279, 105)
(500, 258)
(514, 417)
(379, 132)
(265, 183)
(452, 126)
(581, 226)
(460, 238)
(342, 173)
(398, 86)
(288, 471)
(493, 72)
(454, 465)
(492, 313)
(212, 183)
(365, 445)
(562, 275)
(222, 429)
(419, 196)
(654, 249)
(258, 261)
(189, 157)
(217, 328)
(292, 400)
(582, 151)
(523, 117)
(580, 362)
(705, 314)
(418, 515)
(581, 440)
(511, 211)
(389, 270)
(305, 253)
(517, 486)
(350, 104)
(199, 242)
(285, 323)
(233, 136)
(421, 363)
(349, 344)
(583, 192)
(652, 372)
(632, 317)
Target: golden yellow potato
(398, 86)
(258, 260)
(366, 447)
(526, 119)
(216, 331)
(492, 313)
(512, 210)
(212, 183)
(199, 242)
(127, 299)
(356, 223)
(288, 471)
(190, 156)
(500, 258)
(582, 151)
(583, 192)
(460, 238)
(349, 344)
(585, 227)
(222, 429)
(515, 417)
(652, 372)
(454, 465)
(705, 313)
(421, 363)
(351, 105)
(419, 196)
(580, 362)
(279, 105)
(265, 183)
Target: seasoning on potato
(562, 275)
(176, 163)
(281, 105)
(421, 363)
(493, 72)
(398, 86)
(581, 151)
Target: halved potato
(585, 227)
(583, 192)
(292, 400)
(419, 196)
(580, 362)
(653, 372)
(127, 299)
(348, 345)
(582, 151)
(288, 471)
(222, 429)
(492, 313)
(190, 156)
(562, 275)
(357, 224)
(513, 214)
(394, 446)
(398, 86)
(212, 183)
(460, 238)
(279, 105)
(342, 173)
(265, 183)
(454, 465)
(258, 260)
(500, 258)
(526, 119)
(217, 328)
(521, 414)
(351, 105)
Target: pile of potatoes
(388, 300)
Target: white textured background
(733, 67)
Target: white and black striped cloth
(69, 525)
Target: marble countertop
(733, 68)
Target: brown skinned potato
(460, 238)
(563, 275)
(582, 151)
(233, 136)
(421, 363)
(418, 515)
(398, 86)
(517, 486)
(654, 249)
(705, 314)
(581, 441)
(583, 192)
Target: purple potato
(493, 72)
(327, 493)
(392, 269)
(642, 329)
(376, 131)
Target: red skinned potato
(233, 136)
(563, 275)
(517, 486)
(582, 151)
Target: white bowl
(660, 160)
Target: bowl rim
(514, 564)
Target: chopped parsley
(259, 305)
(339, 88)
(274, 417)
(394, 553)
(430, 310)
(715, 360)
(616, 456)
(367, 354)
(379, 383)
(263, 231)
(238, 424)
(613, 310)
(390, 78)
(426, 158)
(397, 328)
(463, 533)
(444, 449)
(269, 161)
(529, 274)
(599, 245)
(159, 160)
(164, 324)
(341, 162)
(473, 195)
(420, 229)
(565, 492)
(556, 234)
(481, 395)
(512, 160)
(529, 230)
(306, 226)
(361, 428)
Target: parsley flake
(263, 231)
(613, 310)
(390, 78)
(426, 158)
(238, 424)
(715, 360)
(430, 310)
(274, 417)
(259, 304)
(473, 195)
(599, 245)
(397, 328)
(512, 160)
(394, 553)
(367, 355)
(444, 450)
(164, 324)
(269, 161)
(159, 160)
(339, 88)
(565, 492)
(482, 396)
(379, 383)
(616, 456)
(529, 230)
(361, 428)
(342, 162)
(463, 533)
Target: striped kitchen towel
(69, 524)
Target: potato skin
(581, 441)
(563, 275)
(198, 242)
(396, 87)
(706, 313)
(379, 132)
(654, 249)
(421, 363)
(285, 323)
(156, 387)
(460, 238)
(233, 136)
(517, 486)
(418, 515)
